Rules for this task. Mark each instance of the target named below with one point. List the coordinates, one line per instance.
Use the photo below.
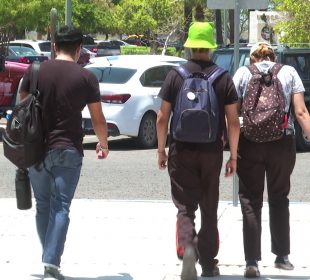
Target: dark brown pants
(276, 161)
(194, 176)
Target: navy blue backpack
(196, 113)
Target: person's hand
(162, 159)
(231, 167)
(101, 151)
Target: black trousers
(275, 161)
(194, 175)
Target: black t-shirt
(65, 88)
(223, 87)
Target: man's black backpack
(196, 113)
(23, 138)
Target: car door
(6, 92)
(301, 62)
(153, 78)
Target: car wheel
(302, 142)
(147, 137)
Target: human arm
(233, 130)
(163, 117)
(25, 86)
(301, 112)
(100, 128)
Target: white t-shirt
(288, 76)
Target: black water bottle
(23, 189)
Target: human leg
(64, 167)
(208, 235)
(281, 162)
(185, 189)
(251, 172)
(41, 182)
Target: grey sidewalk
(135, 240)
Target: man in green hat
(194, 168)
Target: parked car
(40, 46)
(23, 55)
(110, 47)
(137, 40)
(11, 74)
(299, 58)
(85, 56)
(129, 87)
(89, 43)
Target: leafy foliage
(148, 17)
(296, 29)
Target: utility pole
(236, 5)
(53, 30)
(236, 35)
(225, 27)
(68, 19)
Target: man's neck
(64, 56)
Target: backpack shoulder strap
(276, 69)
(182, 71)
(35, 67)
(253, 69)
(215, 73)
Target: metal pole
(235, 190)
(53, 30)
(236, 35)
(68, 13)
(225, 26)
(236, 66)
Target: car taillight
(24, 60)
(94, 50)
(115, 98)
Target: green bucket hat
(200, 36)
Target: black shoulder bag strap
(35, 67)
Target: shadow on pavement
(121, 276)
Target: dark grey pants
(194, 175)
(275, 161)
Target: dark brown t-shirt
(223, 87)
(65, 88)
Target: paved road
(130, 173)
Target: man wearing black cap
(65, 88)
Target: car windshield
(19, 50)
(112, 75)
(45, 46)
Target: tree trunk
(231, 26)
(199, 14)
(218, 22)
(188, 16)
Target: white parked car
(40, 46)
(129, 87)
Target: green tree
(296, 25)
(89, 15)
(92, 16)
(28, 15)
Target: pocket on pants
(69, 158)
